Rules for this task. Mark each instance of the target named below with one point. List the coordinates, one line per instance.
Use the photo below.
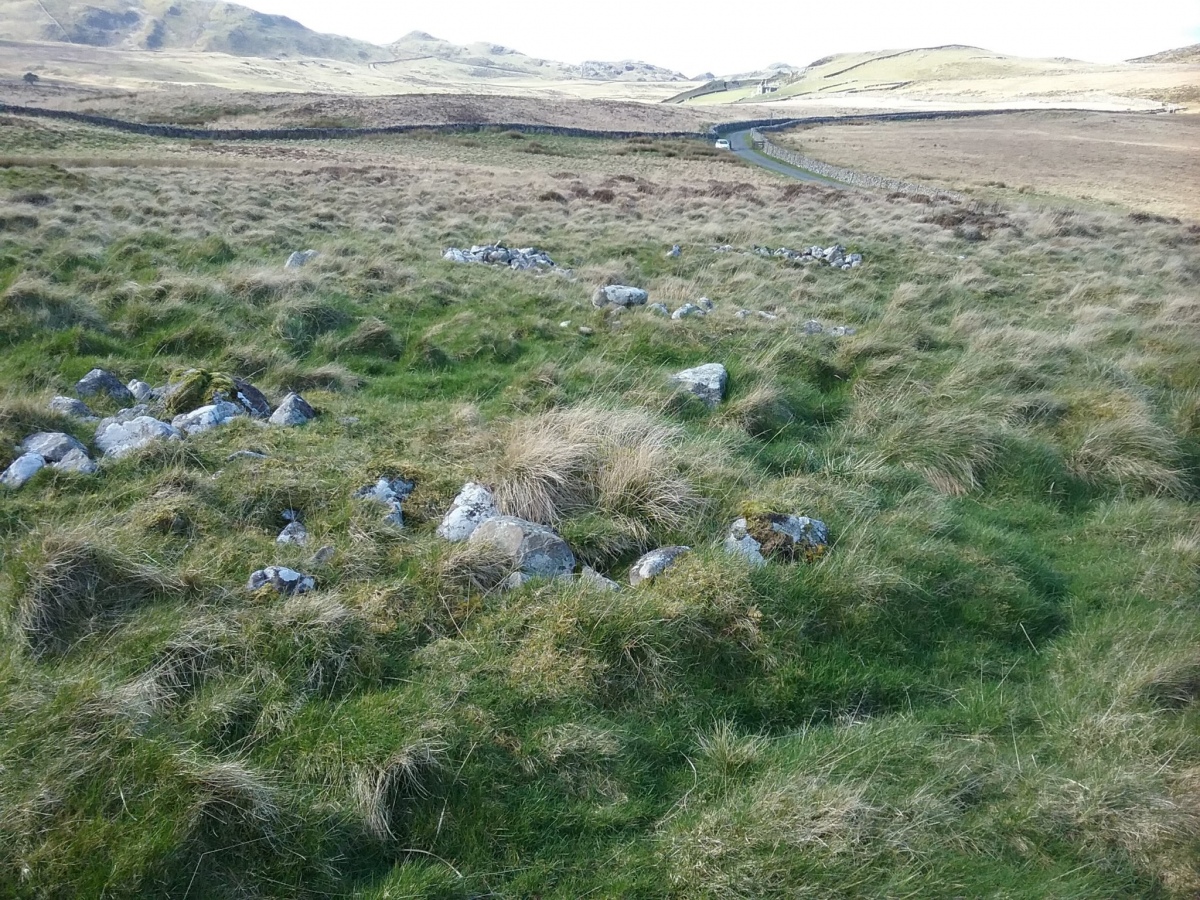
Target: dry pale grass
(625, 463)
(1065, 154)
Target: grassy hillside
(986, 687)
(971, 76)
(201, 25)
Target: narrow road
(741, 145)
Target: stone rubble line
(136, 426)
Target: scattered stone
(655, 563)
(142, 392)
(290, 515)
(619, 295)
(207, 418)
(52, 446)
(348, 421)
(566, 324)
(292, 411)
(300, 259)
(324, 556)
(593, 578)
(586, 331)
(785, 537)
(658, 309)
(69, 406)
(765, 316)
(77, 461)
(842, 331)
(499, 255)
(835, 256)
(246, 454)
(706, 382)
(119, 436)
(674, 252)
(22, 469)
(705, 304)
(812, 326)
(98, 381)
(391, 492)
(534, 551)
(688, 310)
(473, 506)
(293, 533)
(282, 579)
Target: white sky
(737, 35)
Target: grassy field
(1140, 162)
(986, 688)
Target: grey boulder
(69, 406)
(22, 469)
(706, 382)
(77, 461)
(658, 309)
(142, 392)
(207, 418)
(53, 446)
(281, 579)
(655, 563)
(98, 381)
(619, 295)
(533, 550)
(117, 437)
(293, 411)
(473, 506)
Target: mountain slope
(1189, 54)
(203, 25)
(494, 60)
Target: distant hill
(198, 25)
(500, 61)
(958, 74)
(1190, 54)
(213, 26)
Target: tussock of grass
(624, 463)
(76, 582)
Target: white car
(722, 144)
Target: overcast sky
(701, 35)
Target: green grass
(987, 687)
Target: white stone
(118, 438)
(51, 445)
(473, 506)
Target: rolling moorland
(983, 684)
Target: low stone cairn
(834, 256)
(499, 255)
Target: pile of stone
(55, 449)
(835, 256)
(201, 402)
(499, 255)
